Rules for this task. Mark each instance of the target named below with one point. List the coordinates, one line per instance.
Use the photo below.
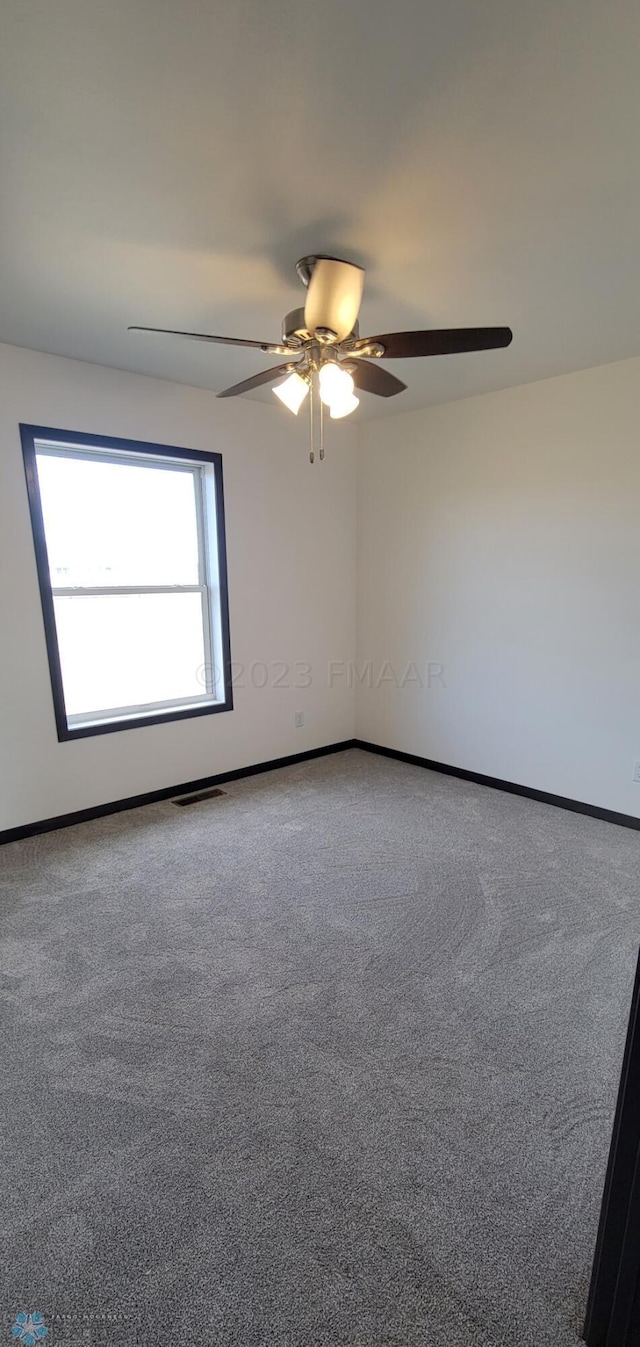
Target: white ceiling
(167, 161)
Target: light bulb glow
(344, 407)
(336, 384)
(292, 392)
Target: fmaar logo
(29, 1328)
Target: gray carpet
(329, 1060)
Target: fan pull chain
(316, 418)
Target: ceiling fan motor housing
(296, 333)
(293, 328)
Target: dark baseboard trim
(155, 796)
(530, 793)
(186, 787)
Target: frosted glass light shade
(344, 407)
(334, 295)
(292, 392)
(336, 384)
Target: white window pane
(122, 650)
(117, 523)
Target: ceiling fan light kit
(327, 358)
(336, 389)
(293, 391)
(343, 408)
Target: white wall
(291, 555)
(497, 536)
(500, 535)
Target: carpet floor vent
(200, 795)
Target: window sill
(84, 728)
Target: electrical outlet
(636, 771)
(298, 721)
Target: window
(130, 548)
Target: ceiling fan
(325, 354)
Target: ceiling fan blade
(375, 379)
(445, 341)
(266, 376)
(271, 347)
(333, 297)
